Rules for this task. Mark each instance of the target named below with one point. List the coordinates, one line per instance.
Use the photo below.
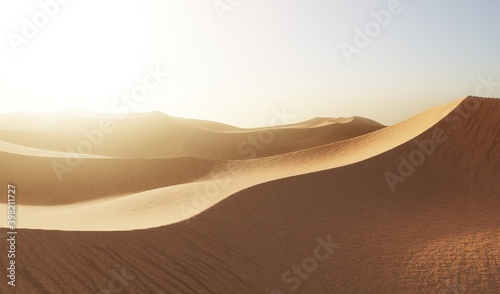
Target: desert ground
(149, 203)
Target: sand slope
(437, 232)
(121, 186)
(140, 150)
(156, 135)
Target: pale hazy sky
(264, 55)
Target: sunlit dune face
(242, 146)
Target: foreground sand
(437, 232)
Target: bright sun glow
(85, 56)
(238, 66)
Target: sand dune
(10, 148)
(156, 135)
(55, 177)
(209, 183)
(433, 226)
(96, 178)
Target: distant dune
(156, 135)
(187, 206)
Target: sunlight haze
(261, 56)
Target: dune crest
(437, 231)
(177, 198)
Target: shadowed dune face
(98, 179)
(156, 135)
(154, 193)
(139, 153)
(265, 142)
(183, 187)
(435, 229)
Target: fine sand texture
(171, 205)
